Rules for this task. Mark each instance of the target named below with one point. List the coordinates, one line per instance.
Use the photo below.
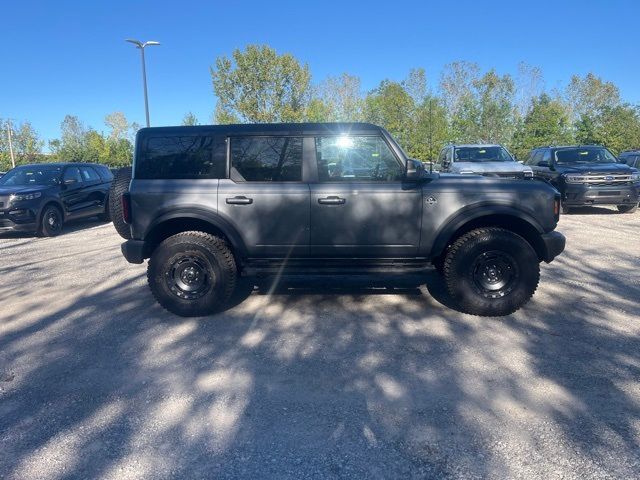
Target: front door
(360, 205)
(72, 193)
(265, 198)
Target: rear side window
(182, 157)
(266, 159)
(89, 174)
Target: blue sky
(62, 57)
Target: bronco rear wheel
(491, 272)
(192, 274)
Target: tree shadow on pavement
(322, 378)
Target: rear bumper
(133, 251)
(554, 243)
(580, 195)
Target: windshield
(585, 155)
(482, 154)
(32, 175)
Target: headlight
(24, 196)
(575, 178)
(635, 177)
(467, 172)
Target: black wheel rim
(189, 277)
(52, 221)
(494, 274)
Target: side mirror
(414, 169)
(544, 163)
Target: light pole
(141, 46)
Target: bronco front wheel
(491, 272)
(192, 274)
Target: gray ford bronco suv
(206, 204)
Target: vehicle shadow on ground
(322, 379)
(70, 227)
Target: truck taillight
(126, 208)
(556, 207)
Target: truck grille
(607, 179)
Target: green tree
(547, 123)
(341, 98)
(190, 119)
(391, 107)
(588, 96)
(259, 85)
(118, 125)
(615, 127)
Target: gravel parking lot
(306, 379)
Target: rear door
(360, 206)
(265, 197)
(71, 193)
(94, 193)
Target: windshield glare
(482, 154)
(35, 175)
(585, 155)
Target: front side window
(266, 159)
(584, 155)
(32, 175)
(182, 157)
(356, 158)
(482, 154)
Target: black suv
(631, 158)
(209, 203)
(587, 175)
(39, 198)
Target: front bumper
(18, 220)
(554, 243)
(576, 195)
(133, 251)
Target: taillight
(126, 208)
(556, 207)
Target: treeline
(465, 104)
(77, 142)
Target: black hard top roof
(270, 129)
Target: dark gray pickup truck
(209, 203)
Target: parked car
(209, 203)
(488, 160)
(587, 175)
(40, 198)
(631, 158)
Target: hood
(489, 167)
(594, 168)
(9, 189)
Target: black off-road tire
(120, 185)
(471, 265)
(628, 208)
(51, 221)
(196, 257)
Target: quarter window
(356, 158)
(266, 159)
(182, 157)
(73, 174)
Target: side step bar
(333, 266)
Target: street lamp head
(151, 42)
(137, 43)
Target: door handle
(241, 200)
(332, 200)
